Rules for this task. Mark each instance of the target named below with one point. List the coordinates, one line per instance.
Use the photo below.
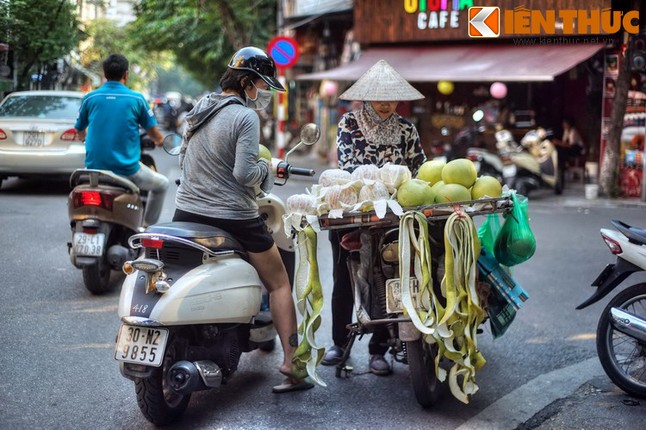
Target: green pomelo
(436, 187)
(263, 152)
(415, 192)
(431, 171)
(460, 171)
(486, 186)
(452, 193)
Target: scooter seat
(211, 237)
(634, 234)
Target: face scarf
(376, 130)
(262, 100)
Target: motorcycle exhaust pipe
(185, 377)
(117, 255)
(629, 324)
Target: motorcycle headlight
(390, 253)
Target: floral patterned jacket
(353, 149)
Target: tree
(610, 157)
(203, 34)
(39, 32)
(105, 38)
(608, 171)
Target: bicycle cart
(373, 244)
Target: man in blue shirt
(112, 115)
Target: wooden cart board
(436, 212)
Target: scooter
(497, 164)
(533, 164)
(621, 332)
(104, 211)
(191, 304)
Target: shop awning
(464, 63)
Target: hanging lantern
(328, 88)
(445, 87)
(498, 90)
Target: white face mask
(262, 100)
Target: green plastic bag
(515, 243)
(488, 232)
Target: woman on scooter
(220, 170)
(375, 134)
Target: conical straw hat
(381, 83)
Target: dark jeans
(343, 301)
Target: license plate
(34, 139)
(141, 345)
(394, 303)
(508, 171)
(88, 244)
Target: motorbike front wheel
(421, 361)
(155, 398)
(623, 357)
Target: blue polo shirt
(112, 114)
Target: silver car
(37, 135)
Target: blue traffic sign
(284, 51)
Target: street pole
(282, 116)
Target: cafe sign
(436, 14)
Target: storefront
(541, 72)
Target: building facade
(554, 59)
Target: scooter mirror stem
(310, 134)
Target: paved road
(56, 341)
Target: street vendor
(374, 134)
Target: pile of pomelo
(441, 182)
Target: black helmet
(256, 60)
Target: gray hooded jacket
(219, 160)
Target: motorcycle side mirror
(172, 143)
(310, 134)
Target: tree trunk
(610, 157)
(233, 29)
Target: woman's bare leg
(273, 274)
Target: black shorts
(251, 233)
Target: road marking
(527, 400)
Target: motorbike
(533, 164)
(525, 167)
(191, 304)
(104, 210)
(374, 278)
(621, 331)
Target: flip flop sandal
(289, 386)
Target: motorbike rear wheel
(155, 398)
(623, 357)
(97, 277)
(421, 361)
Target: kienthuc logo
(484, 21)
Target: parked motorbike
(525, 167)
(535, 163)
(621, 332)
(191, 304)
(104, 210)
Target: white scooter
(621, 332)
(192, 304)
